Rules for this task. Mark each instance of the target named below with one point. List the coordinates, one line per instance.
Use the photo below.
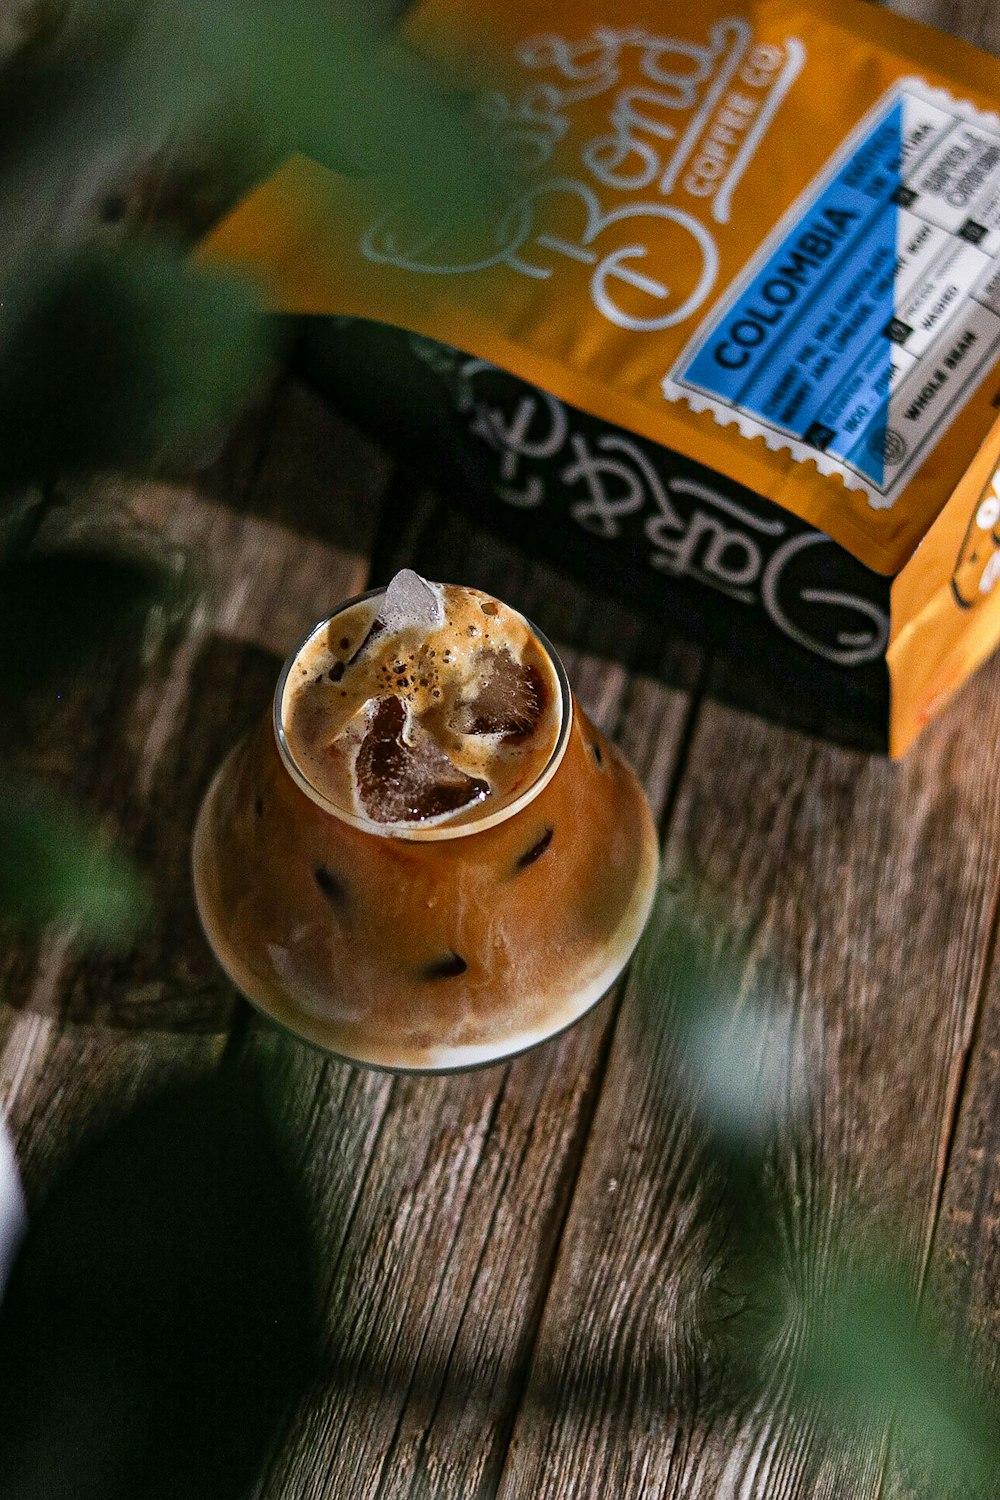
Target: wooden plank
(964, 1272)
(315, 473)
(975, 21)
(439, 1201)
(138, 747)
(962, 1285)
(87, 1076)
(861, 896)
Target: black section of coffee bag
(805, 622)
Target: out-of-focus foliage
(114, 360)
(160, 1323)
(315, 79)
(119, 357)
(55, 865)
(871, 1355)
(60, 605)
(126, 357)
(837, 1325)
(241, 83)
(117, 352)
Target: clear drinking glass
(425, 948)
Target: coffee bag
(736, 320)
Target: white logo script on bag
(692, 529)
(684, 120)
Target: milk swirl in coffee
(428, 704)
(425, 856)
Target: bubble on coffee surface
(423, 703)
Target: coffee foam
(481, 706)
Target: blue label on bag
(864, 323)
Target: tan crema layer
(434, 673)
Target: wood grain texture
(90, 1075)
(517, 1263)
(964, 1272)
(975, 21)
(962, 1289)
(439, 1201)
(136, 742)
(885, 985)
(83, 1034)
(858, 898)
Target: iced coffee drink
(427, 857)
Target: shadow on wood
(159, 1321)
(168, 978)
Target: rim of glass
(416, 832)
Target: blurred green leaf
(241, 84)
(58, 607)
(842, 1335)
(870, 1355)
(118, 360)
(732, 1041)
(56, 866)
(315, 77)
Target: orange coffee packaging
(729, 343)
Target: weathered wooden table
(513, 1253)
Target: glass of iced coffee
(426, 858)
